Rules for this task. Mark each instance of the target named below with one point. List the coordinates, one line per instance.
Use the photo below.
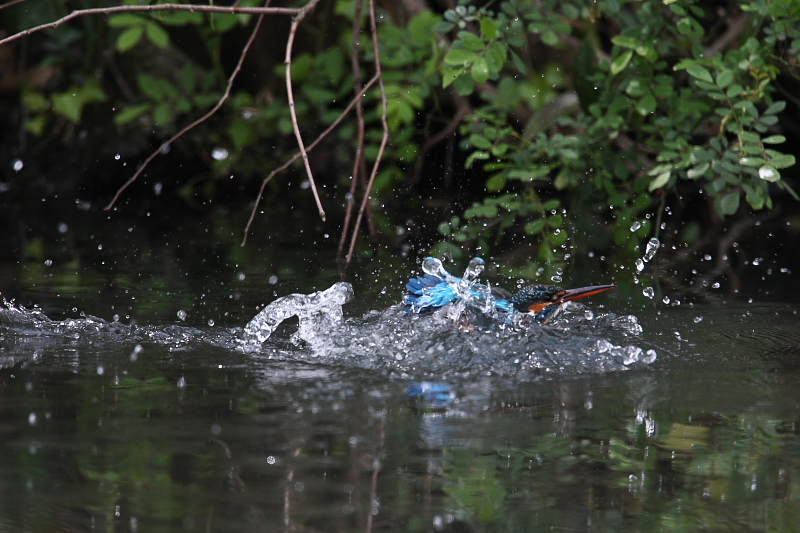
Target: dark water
(159, 419)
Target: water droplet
(100, 370)
(649, 292)
(639, 265)
(220, 154)
(211, 322)
(17, 165)
(649, 356)
(48, 262)
(715, 285)
(99, 246)
(666, 300)
(157, 188)
(117, 156)
(62, 228)
(115, 318)
(32, 419)
(136, 351)
(588, 314)
(556, 279)
(652, 248)
(241, 276)
(698, 319)
(636, 226)
(182, 314)
(273, 280)
(474, 269)
(182, 382)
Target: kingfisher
(437, 288)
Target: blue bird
(437, 288)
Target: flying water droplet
(434, 267)
(639, 265)
(636, 226)
(649, 292)
(220, 154)
(698, 319)
(136, 351)
(652, 248)
(474, 269)
(182, 314)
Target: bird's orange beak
(576, 294)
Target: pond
(128, 402)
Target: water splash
(320, 313)
(391, 341)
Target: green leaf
(619, 64)
(724, 78)
(659, 181)
(128, 38)
(123, 20)
(449, 75)
(471, 42)
(768, 173)
(157, 35)
(698, 171)
(700, 72)
(557, 239)
(646, 105)
(496, 183)
(729, 204)
(130, 113)
(775, 108)
(550, 38)
(779, 160)
(464, 85)
(626, 42)
(774, 139)
(479, 141)
(488, 27)
(459, 56)
(480, 70)
(534, 227)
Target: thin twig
(200, 120)
(11, 3)
(290, 96)
(355, 63)
(295, 157)
(292, 11)
(384, 140)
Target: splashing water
(319, 313)
(391, 341)
(464, 338)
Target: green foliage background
(587, 123)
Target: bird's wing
(428, 293)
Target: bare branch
(290, 96)
(232, 10)
(328, 130)
(384, 140)
(355, 65)
(200, 120)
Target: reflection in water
(106, 426)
